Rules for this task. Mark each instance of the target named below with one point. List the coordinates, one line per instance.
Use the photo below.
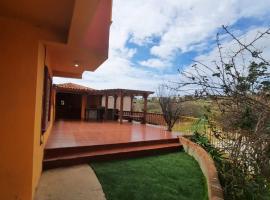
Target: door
(68, 106)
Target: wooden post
(84, 102)
(144, 108)
(131, 104)
(121, 107)
(106, 106)
(114, 101)
(131, 107)
(114, 106)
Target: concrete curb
(207, 166)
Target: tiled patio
(80, 133)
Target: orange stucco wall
(40, 140)
(21, 82)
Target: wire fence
(186, 126)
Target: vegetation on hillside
(232, 96)
(191, 108)
(238, 83)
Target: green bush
(203, 141)
(237, 183)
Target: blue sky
(151, 39)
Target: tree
(170, 105)
(238, 83)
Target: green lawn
(163, 177)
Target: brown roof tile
(72, 87)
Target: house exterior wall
(22, 73)
(126, 104)
(26, 35)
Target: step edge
(111, 153)
(112, 144)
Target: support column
(131, 108)
(114, 106)
(121, 107)
(114, 101)
(84, 102)
(144, 108)
(106, 106)
(131, 104)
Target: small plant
(203, 141)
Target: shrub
(237, 183)
(203, 141)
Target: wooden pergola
(115, 93)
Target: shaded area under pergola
(115, 93)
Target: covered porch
(78, 102)
(86, 127)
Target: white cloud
(181, 26)
(155, 63)
(120, 73)
(228, 49)
(195, 21)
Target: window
(46, 100)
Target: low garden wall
(207, 166)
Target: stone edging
(207, 166)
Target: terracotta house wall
(22, 66)
(38, 139)
(24, 31)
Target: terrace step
(110, 154)
(55, 152)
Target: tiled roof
(73, 87)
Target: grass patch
(189, 127)
(170, 176)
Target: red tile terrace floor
(80, 133)
(76, 142)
